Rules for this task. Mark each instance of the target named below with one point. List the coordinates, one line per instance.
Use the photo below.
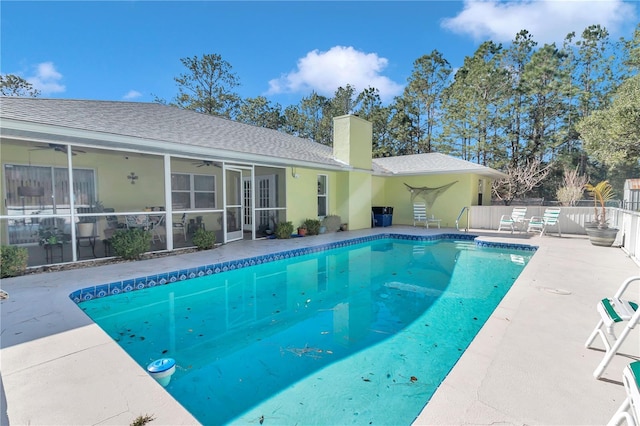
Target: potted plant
(302, 230)
(598, 231)
(313, 226)
(331, 223)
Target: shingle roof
(149, 124)
(162, 123)
(432, 163)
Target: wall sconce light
(132, 177)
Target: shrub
(204, 240)
(312, 225)
(13, 261)
(131, 243)
(284, 230)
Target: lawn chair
(550, 218)
(157, 228)
(612, 311)
(513, 221)
(630, 408)
(419, 213)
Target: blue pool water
(362, 334)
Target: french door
(233, 203)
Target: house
(111, 163)
(632, 194)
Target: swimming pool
(363, 332)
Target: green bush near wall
(284, 230)
(204, 240)
(131, 243)
(13, 261)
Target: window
(189, 191)
(323, 199)
(33, 190)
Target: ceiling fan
(58, 148)
(206, 163)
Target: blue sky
(131, 50)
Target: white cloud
(324, 72)
(547, 20)
(46, 79)
(132, 94)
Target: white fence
(572, 221)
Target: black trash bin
(382, 216)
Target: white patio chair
(629, 410)
(513, 221)
(617, 309)
(157, 229)
(550, 218)
(419, 213)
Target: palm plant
(601, 193)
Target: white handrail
(466, 228)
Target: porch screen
(40, 190)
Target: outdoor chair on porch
(419, 213)
(629, 410)
(182, 225)
(550, 218)
(157, 228)
(514, 221)
(616, 310)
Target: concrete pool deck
(528, 364)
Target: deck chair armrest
(624, 286)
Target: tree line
(525, 109)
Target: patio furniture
(182, 225)
(91, 240)
(138, 221)
(617, 309)
(550, 218)
(155, 226)
(514, 221)
(630, 408)
(420, 215)
(50, 249)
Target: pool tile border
(141, 283)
